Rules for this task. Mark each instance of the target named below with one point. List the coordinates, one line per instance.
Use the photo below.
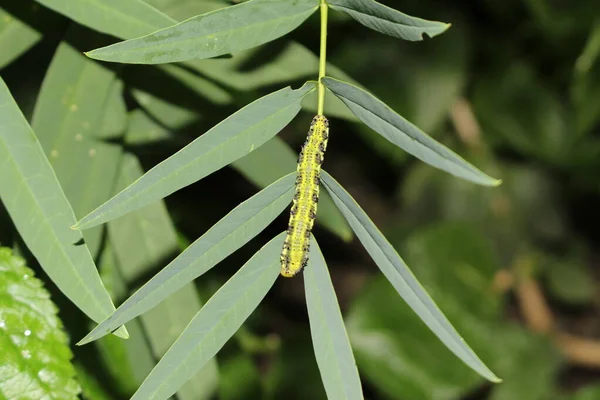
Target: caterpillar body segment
(294, 255)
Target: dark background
(514, 87)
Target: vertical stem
(322, 57)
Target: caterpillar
(294, 255)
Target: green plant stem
(322, 57)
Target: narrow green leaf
(140, 240)
(216, 33)
(400, 276)
(125, 362)
(388, 21)
(124, 19)
(226, 236)
(39, 209)
(165, 323)
(35, 359)
(212, 327)
(68, 130)
(231, 139)
(330, 340)
(383, 120)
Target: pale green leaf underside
(383, 120)
(214, 324)
(42, 215)
(121, 18)
(330, 340)
(231, 139)
(229, 234)
(35, 360)
(388, 21)
(400, 276)
(67, 130)
(216, 33)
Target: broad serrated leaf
(388, 21)
(67, 130)
(42, 214)
(226, 236)
(216, 33)
(330, 340)
(18, 36)
(231, 139)
(400, 276)
(124, 19)
(383, 120)
(35, 361)
(212, 327)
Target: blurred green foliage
(514, 85)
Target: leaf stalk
(322, 57)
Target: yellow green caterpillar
(294, 255)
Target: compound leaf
(229, 234)
(35, 361)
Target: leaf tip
(496, 182)
(122, 332)
(84, 341)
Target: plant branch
(322, 57)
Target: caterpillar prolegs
(294, 255)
